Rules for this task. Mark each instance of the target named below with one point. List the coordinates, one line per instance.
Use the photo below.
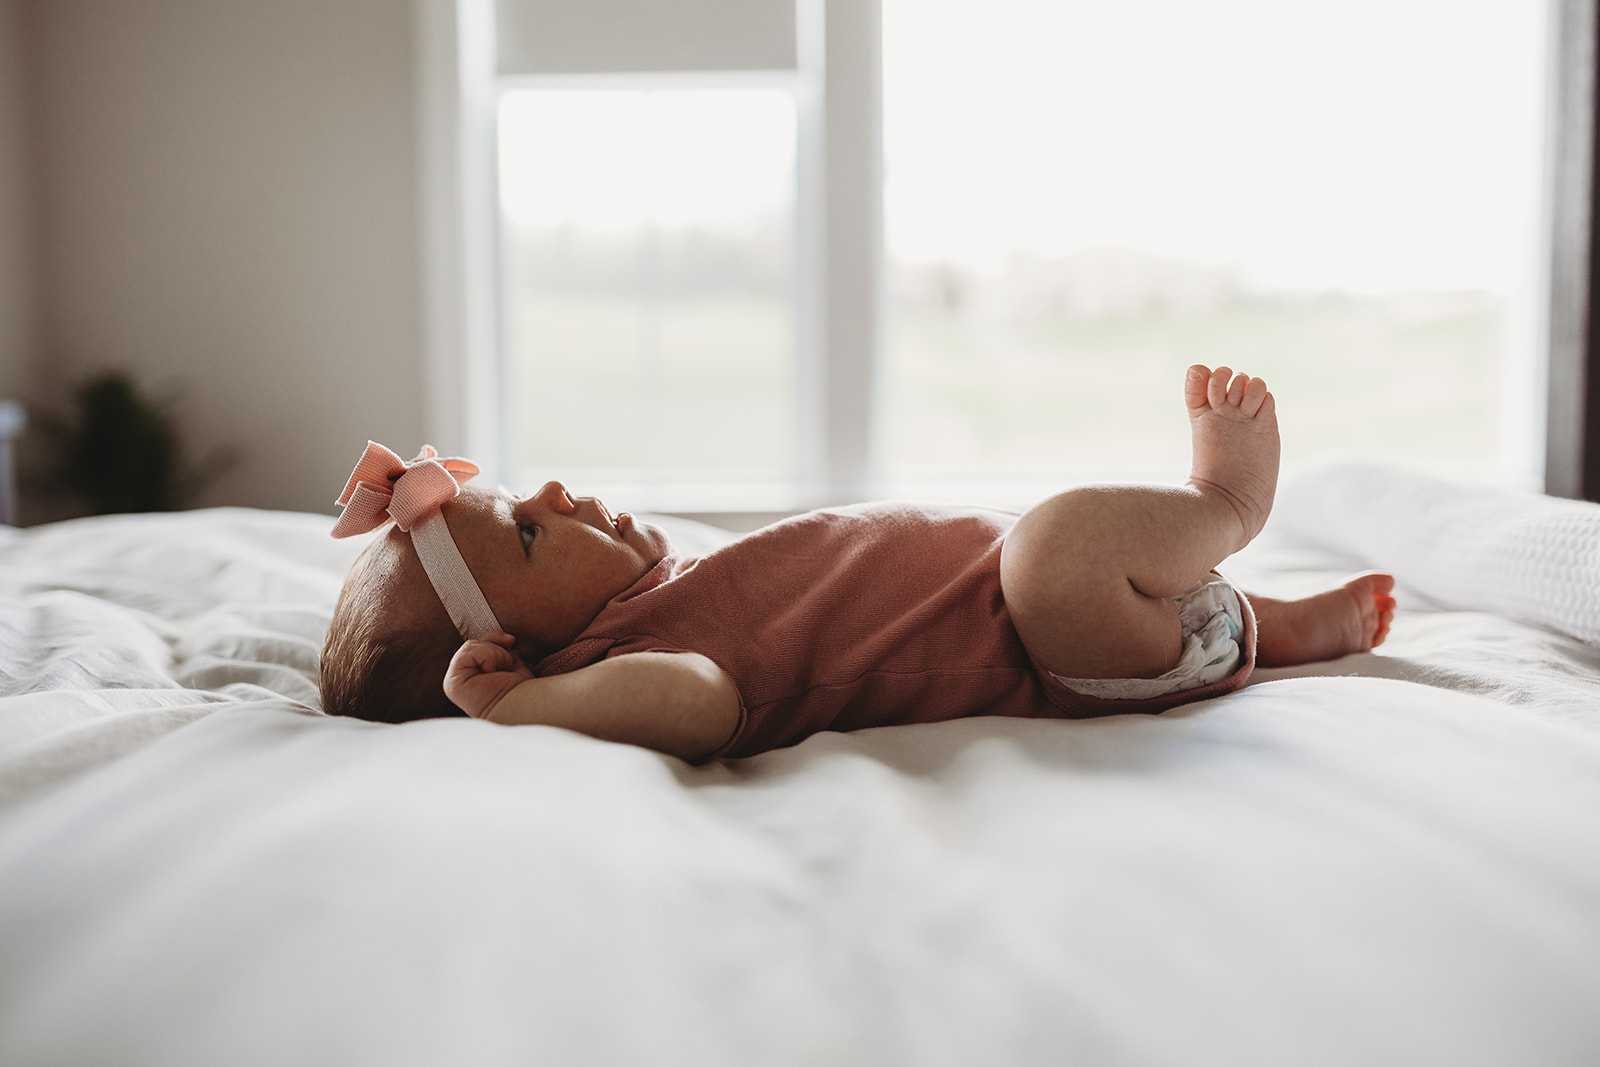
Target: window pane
(648, 276)
(1083, 198)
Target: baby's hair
(376, 670)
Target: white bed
(1396, 862)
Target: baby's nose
(554, 495)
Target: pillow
(1473, 547)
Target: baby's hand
(482, 672)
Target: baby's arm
(679, 703)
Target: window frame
(1572, 243)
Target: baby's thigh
(1082, 621)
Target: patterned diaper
(1212, 624)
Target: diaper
(1212, 624)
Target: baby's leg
(1354, 617)
(1089, 575)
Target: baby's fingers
(480, 657)
(481, 672)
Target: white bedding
(1395, 863)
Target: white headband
(451, 579)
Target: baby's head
(539, 567)
(389, 637)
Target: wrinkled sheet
(1391, 859)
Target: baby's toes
(1236, 389)
(1255, 396)
(1385, 618)
(1217, 388)
(1195, 384)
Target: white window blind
(638, 36)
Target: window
(1083, 198)
(647, 250)
(992, 291)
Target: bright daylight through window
(647, 256)
(1080, 199)
(1084, 198)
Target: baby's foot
(1234, 428)
(1355, 617)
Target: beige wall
(226, 204)
(17, 342)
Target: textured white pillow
(1473, 547)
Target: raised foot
(1355, 617)
(1233, 425)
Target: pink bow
(385, 487)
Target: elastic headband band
(451, 579)
(384, 488)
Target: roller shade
(627, 36)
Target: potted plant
(118, 450)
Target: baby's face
(547, 563)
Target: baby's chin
(647, 539)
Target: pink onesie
(842, 619)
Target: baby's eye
(528, 533)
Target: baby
(1100, 600)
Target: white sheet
(1397, 865)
